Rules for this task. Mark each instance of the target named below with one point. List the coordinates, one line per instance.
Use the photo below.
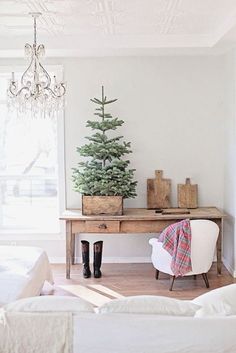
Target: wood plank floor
(131, 279)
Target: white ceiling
(103, 27)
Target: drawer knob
(102, 226)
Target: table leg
(219, 247)
(72, 248)
(68, 248)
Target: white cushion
(218, 309)
(148, 304)
(50, 303)
(218, 302)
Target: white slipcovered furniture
(203, 244)
(69, 325)
(23, 271)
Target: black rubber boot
(97, 258)
(85, 258)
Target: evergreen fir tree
(104, 173)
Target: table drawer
(102, 227)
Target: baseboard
(231, 270)
(108, 260)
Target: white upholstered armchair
(203, 244)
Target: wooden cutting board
(187, 195)
(158, 191)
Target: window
(29, 171)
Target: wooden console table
(134, 220)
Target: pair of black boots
(97, 258)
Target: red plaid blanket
(176, 239)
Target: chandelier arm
(54, 94)
(17, 94)
(46, 74)
(26, 71)
(24, 89)
(12, 86)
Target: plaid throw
(176, 239)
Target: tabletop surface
(145, 214)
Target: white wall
(229, 247)
(174, 110)
(173, 107)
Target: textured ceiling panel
(133, 23)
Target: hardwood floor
(131, 279)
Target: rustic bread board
(187, 195)
(158, 191)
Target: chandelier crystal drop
(36, 91)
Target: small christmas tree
(104, 173)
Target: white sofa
(132, 333)
(72, 326)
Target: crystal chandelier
(36, 91)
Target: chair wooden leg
(204, 275)
(195, 277)
(172, 279)
(157, 274)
